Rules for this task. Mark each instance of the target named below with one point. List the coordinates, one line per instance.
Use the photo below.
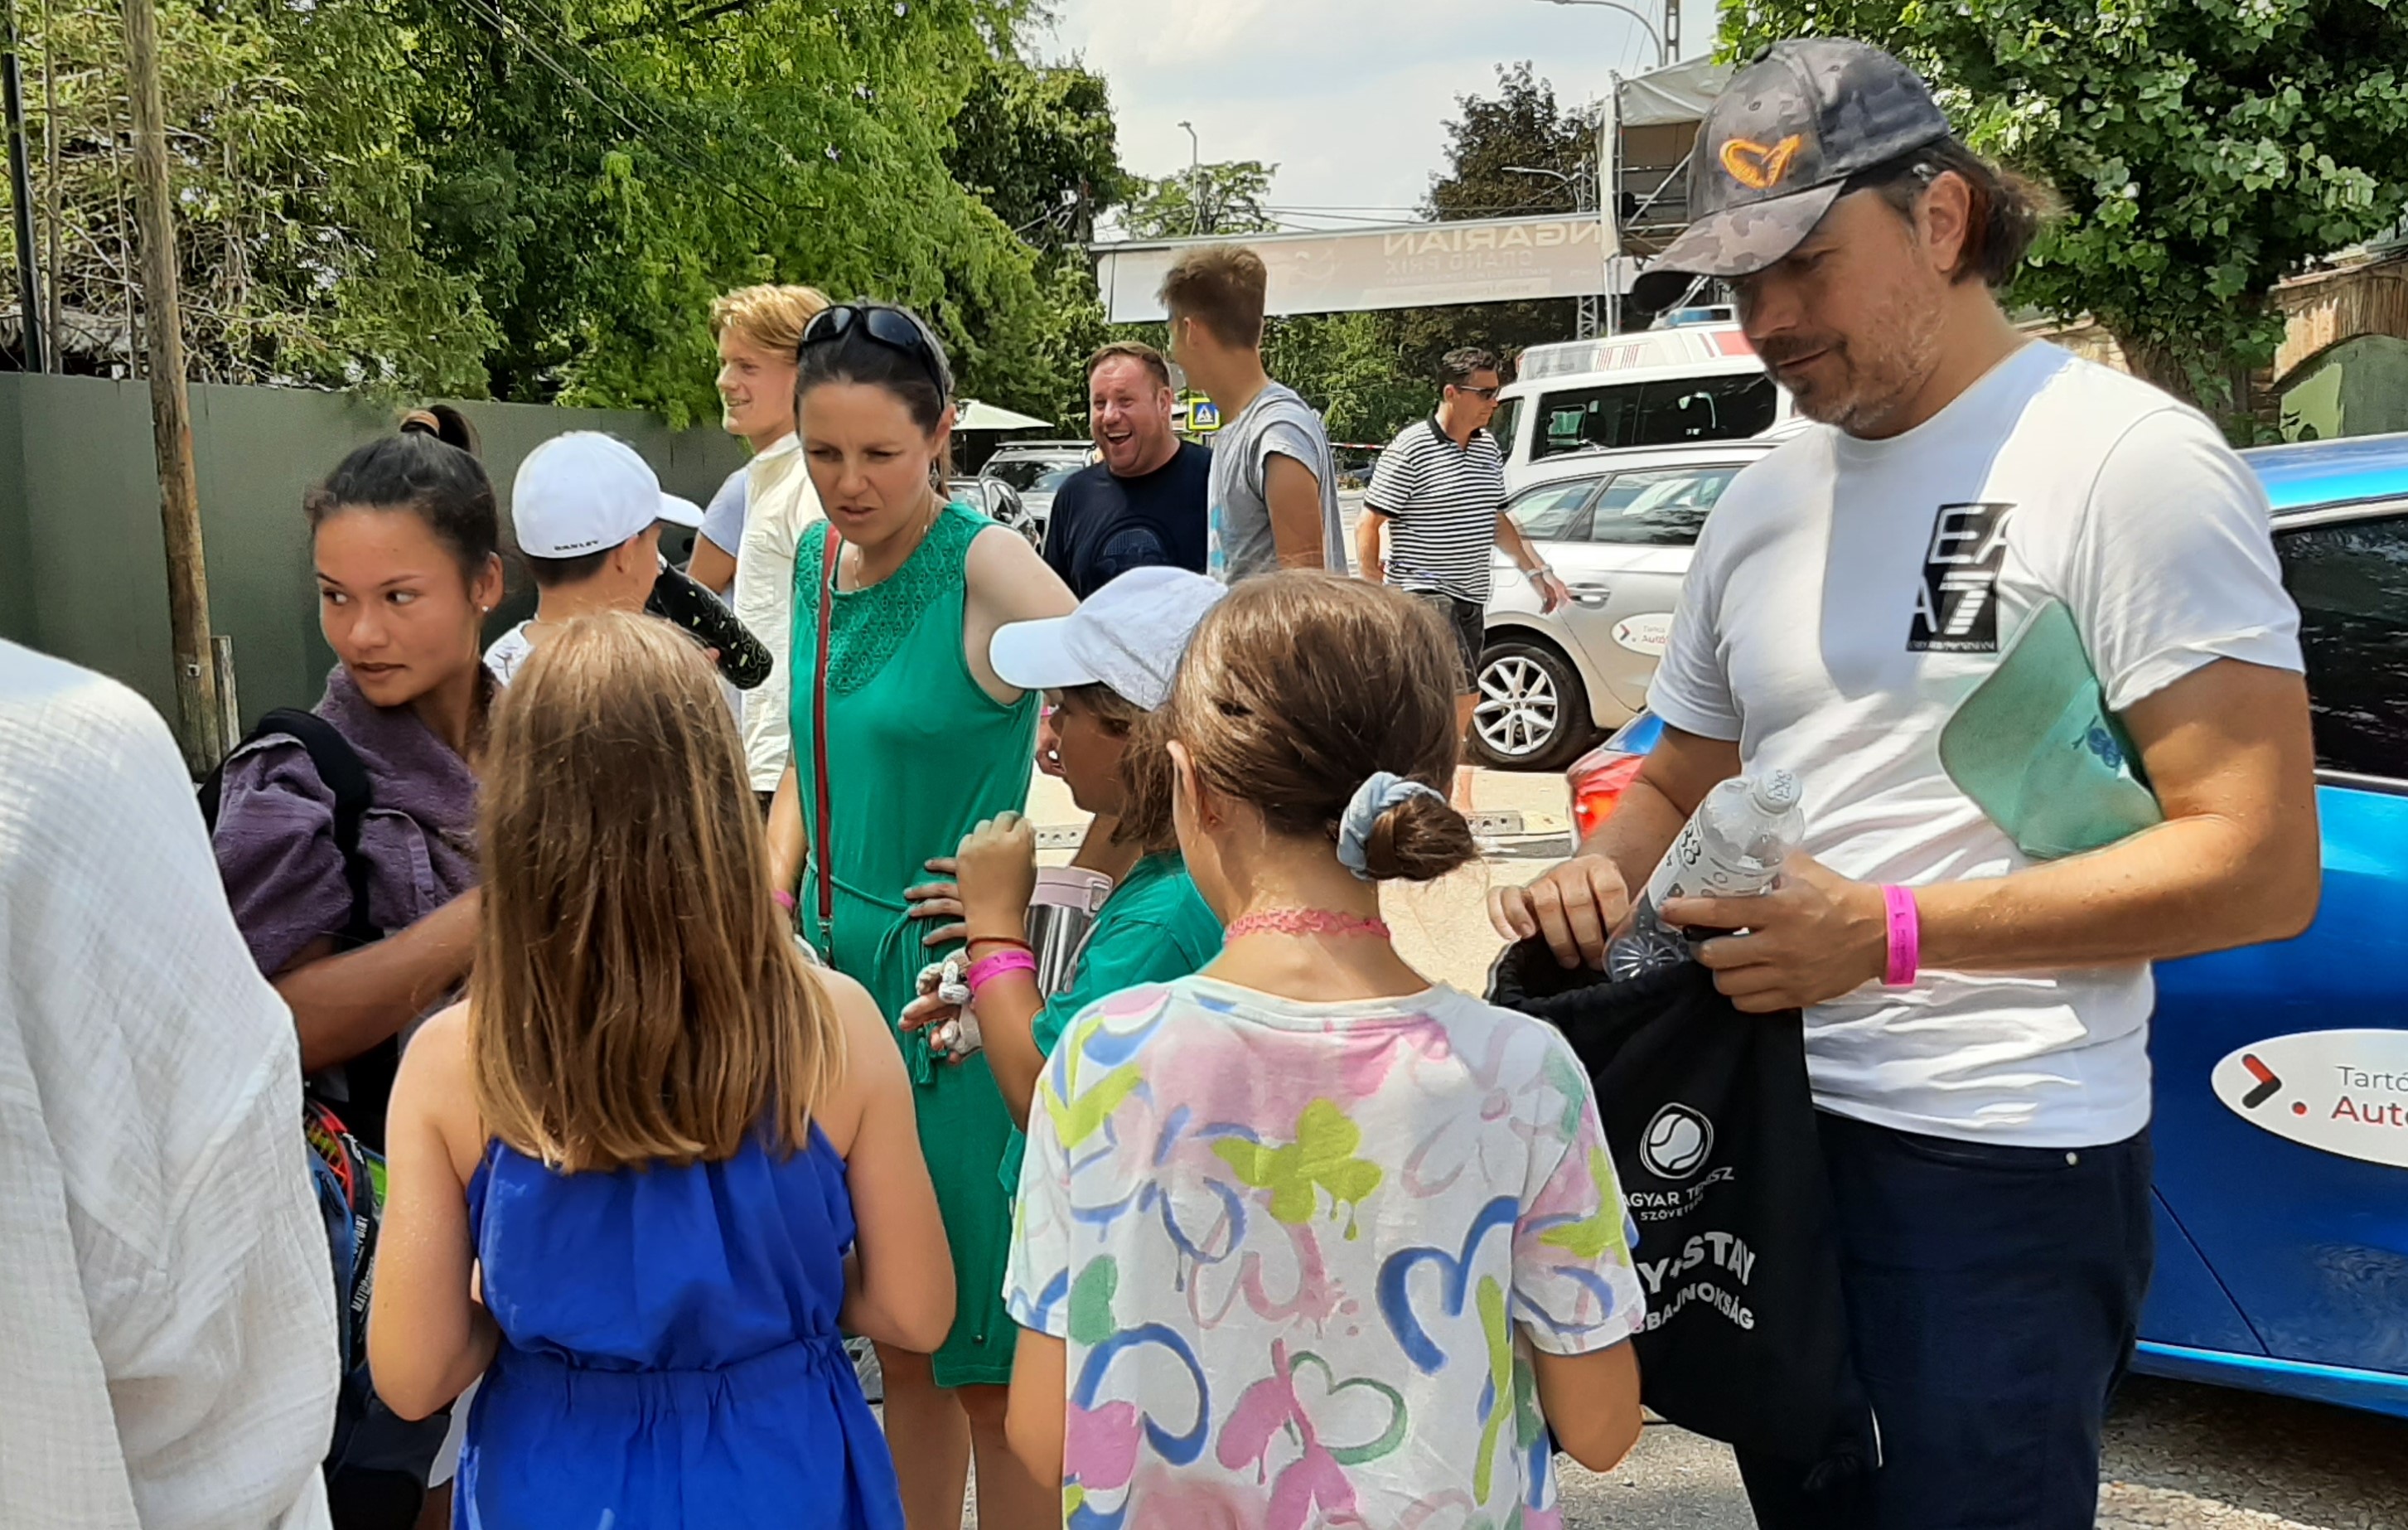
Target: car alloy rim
(1516, 715)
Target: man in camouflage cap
(1966, 928)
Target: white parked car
(1617, 526)
(1653, 387)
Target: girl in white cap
(1105, 666)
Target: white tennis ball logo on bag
(1677, 1142)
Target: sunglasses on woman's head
(888, 327)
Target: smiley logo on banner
(1754, 165)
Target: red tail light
(1598, 781)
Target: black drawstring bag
(1712, 1127)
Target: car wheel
(1531, 713)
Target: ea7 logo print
(1956, 610)
(1676, 1142)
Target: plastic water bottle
(1731, 847)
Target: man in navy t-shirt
(1144, 503)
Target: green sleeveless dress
(917, 755)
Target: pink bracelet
(1905, 936)
(782, 899)
(987, 968)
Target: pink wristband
(987, 968)
(782, 899)
(1905, 936)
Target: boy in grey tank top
(1273, 500)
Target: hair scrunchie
(1381, 791)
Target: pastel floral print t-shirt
(1299, 1254)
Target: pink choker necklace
(1304, 921)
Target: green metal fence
(82, 569)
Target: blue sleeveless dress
(669, 1351)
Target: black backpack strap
(338, 766)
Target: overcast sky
(1347, 97)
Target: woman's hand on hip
(939, 900)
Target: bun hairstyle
(430, 469)
(1299, 687)
(446, 425)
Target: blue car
(2281, 1070)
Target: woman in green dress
(922, 741)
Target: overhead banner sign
(1484, 260)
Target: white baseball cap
(584, 492)
(1127, 635)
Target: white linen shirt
(167, 1308)
(782, 507)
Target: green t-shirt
(1155, 926)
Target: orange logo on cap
(1752, 165)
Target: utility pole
(1671, 30)
(198, 725)
(1195, 175)
(21, 181)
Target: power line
(643, 99)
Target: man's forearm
(2185, 886)
(1644, 825)
(1518, 546)
(1367, 560)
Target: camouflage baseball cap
(1776, 148)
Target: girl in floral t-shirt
(1304, 1240)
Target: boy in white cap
(588, 511)
(1103, 667)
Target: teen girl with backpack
(346, 838)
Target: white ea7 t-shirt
(1847, 594)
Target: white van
(1657, 387)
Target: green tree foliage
(1345, 363)
(2201, 149)
(1039, 146)
(539, 198)
(1225, 196)
(1520, 125)
(297, 193)
(606, 167)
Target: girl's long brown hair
(636, 995)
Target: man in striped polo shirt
(1439, 493)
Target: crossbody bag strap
(831, 544)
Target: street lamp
(1663, 53)
(1195, 177)
(1578, 184)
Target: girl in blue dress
(645, 1178)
